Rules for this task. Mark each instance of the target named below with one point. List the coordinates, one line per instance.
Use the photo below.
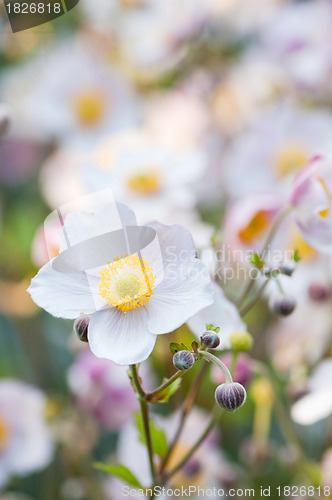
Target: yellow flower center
(256, 227)
(4, 433)
(145, 182)
(89, 108)
(289, 158)
(127, 283)
(324, 213)
(298, 243)
(181, 478)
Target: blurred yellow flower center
(298, 243)
(145, 182)
(324, 213)
(185, 477)
(289, 158)
(3, 433)
(127, 283)
(89, 108)
(256, 227)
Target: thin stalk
(210, 357)
(149, 396)
(244, 310)
(275, 227)
(145, 418)
(201, 439)
(233, 363)
(187, 406)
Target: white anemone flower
(25, 442)
(317, 404)
(129, 303)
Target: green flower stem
(275, 227)
(150, 396)
(233, 363)
(187, 406)
(214, 420)
(145, 418)
(244, 310)
(210, 357)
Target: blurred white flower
(317, 404)
(222, 313)
(276, 147)
(25, 442)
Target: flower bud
(319, 292)
(288, 267)
(81, 327)
(210, 339)
(241, 341)
(4, 119)
(230, 396)
(183, 360)
(283, 305)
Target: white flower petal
(185, 290)
(122, 338)
(313, 407)
(64, 295)
(221, 313)
(175, 241)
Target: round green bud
(183, 360)
(241, 341)
(210, 339)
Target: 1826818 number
(33, 8)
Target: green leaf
(163, 396)
(119, 471)
(175, 347)
(158, 436)
(296, 256)
(212, 327)
(256, 260)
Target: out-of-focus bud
(319, 292)
(210, 339)
(81, 326)
(230, 396)
(5, 119)
(288, 267)
(283, 305)
(183, 360)
(241, 341)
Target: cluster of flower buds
(230, 395)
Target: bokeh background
(198, 113)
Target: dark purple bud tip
(230, 396)
(288, 267)
(81, 327)
(183, 360)
(210, 339)
(283, 305)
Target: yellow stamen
(298, 243)
(145, 182)
(256, 227)
(289, 158)
(324, 213)
(4, 434)
(127, 283)
(89, 108)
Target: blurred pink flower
(311, 197)
(103, 389)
